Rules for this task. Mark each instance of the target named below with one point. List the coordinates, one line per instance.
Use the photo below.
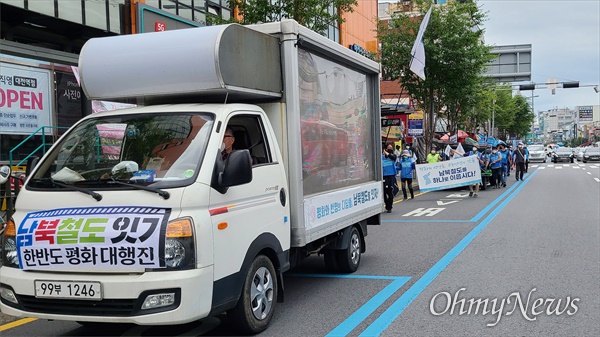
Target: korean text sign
(25, 96)
(121, 238)
(331, 206)
(449, 174)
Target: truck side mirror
(4, 174)
(238, 169)
(31, 164)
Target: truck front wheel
(349, 258)
(256, 305)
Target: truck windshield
(163, 150)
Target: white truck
(252, 148)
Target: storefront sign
(586, 113)
(68, 97)
(25, 103)
(415, 124)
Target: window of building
(70, 11)
(95, 14)
(43, 7)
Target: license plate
(82, 290)
(594, 158)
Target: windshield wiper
(94, 195)
(158, 191)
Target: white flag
(417, 62)
(459, 149)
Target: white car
(537, 153)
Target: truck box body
(302, 109)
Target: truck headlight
(10, 258)
(180, 251)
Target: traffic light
(527, 87)
(570, 85)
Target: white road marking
(551, 165)
(424, 211)
(534, 165)
(597, 180)
(583, 168)
(576, 167)
(542, 168)
(558, 167)
(442, 203)
(458, 195)
(589, 172)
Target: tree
(316, 15)
(523, 117)
(455, 58)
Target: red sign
(160, 26)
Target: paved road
(536, 239)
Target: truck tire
(348, 259)
(256, 305)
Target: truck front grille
(106, 307)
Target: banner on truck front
(448, 174)
(120, 238)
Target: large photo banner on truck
(119, 238)
(448, 174)
(331, 206)
(336, 126)
(25, 99)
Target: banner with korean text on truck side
(448, 174)
(121, 238)
(25, 99)
(327, 207)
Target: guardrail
(42, 147)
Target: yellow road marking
(16, 323)
(416, 195)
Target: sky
(565, 41)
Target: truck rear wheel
(348, 259)
(256, 305)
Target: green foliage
(523, 117)
(455, 58)
(314, 14)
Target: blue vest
(406, 167)
(389, 166)
(494, 157)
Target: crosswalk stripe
(542, 168)
(558, 167)
(534, 165)
(596, 179)
(576, 167)
(550, 165)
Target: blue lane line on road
(367, 309)
(389, 315)
(371, 277)
(493, 203)
(427, 221)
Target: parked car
(563, 154)
(591, 154)
(537, 153)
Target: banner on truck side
(25, 99)
(448, 174)
(331, 206)
(120, 238)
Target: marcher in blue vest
(388, 160)
(506, 163)
(407, 165)
(496, 165)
